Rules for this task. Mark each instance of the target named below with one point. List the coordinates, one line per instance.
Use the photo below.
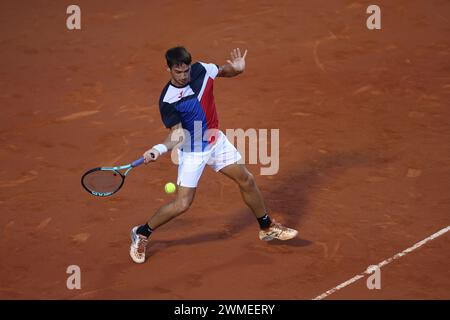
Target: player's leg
(252, 197)
(189, 172)
(182, 202)
(249, 190)
(225, 159)
(141, 234)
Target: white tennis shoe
(138, 246)
(277, 231)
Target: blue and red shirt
(193, 105)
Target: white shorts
(191, 164)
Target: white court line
(382, 263)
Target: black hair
(178, 56)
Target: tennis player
(188, 109)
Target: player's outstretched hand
(151, 155)
(237, 61)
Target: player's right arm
(175, 136)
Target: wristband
(161, 148)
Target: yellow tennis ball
(170, 187)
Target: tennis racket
(105, 181)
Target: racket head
(102, 182)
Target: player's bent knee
(183, 204)
(247, 182)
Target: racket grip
(137, 162)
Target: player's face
(181, 74)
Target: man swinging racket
(187, 105)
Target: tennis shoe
(277, 231)
(138, 246)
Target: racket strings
(103, 181)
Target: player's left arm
(234, 66)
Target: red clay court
(364, 125)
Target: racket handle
(137, 162)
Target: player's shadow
(289, 194)
(288, 197)
(296, 242)
(220, 235)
